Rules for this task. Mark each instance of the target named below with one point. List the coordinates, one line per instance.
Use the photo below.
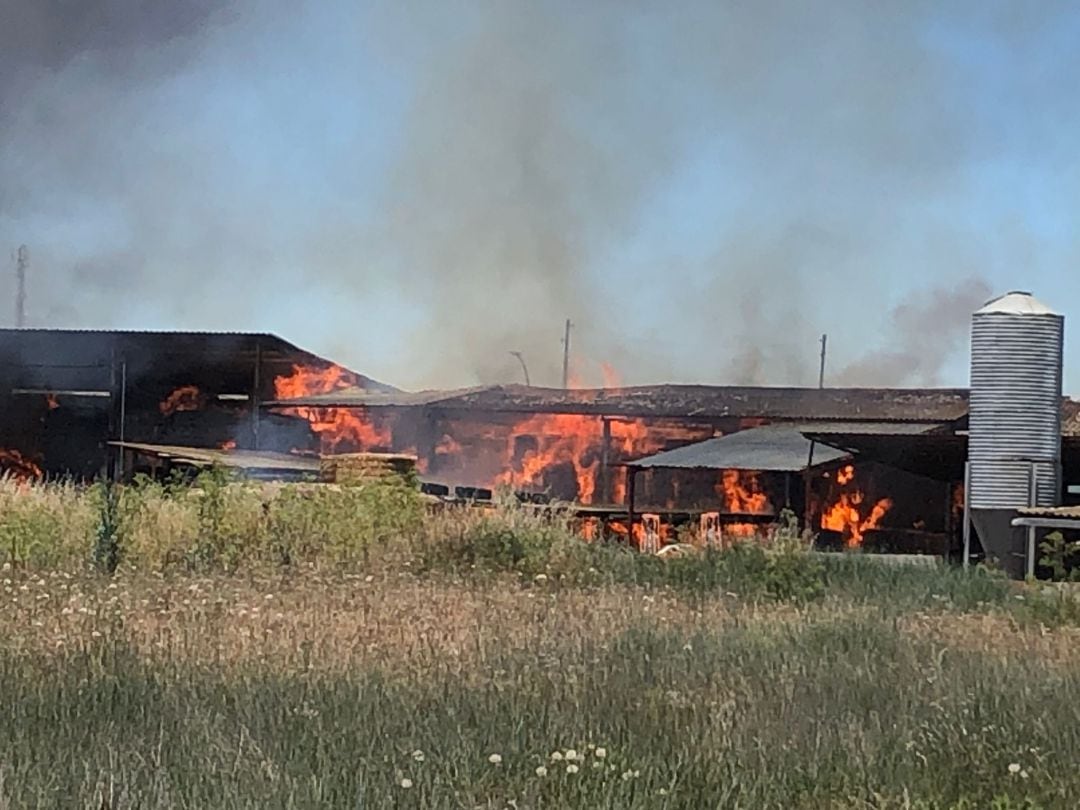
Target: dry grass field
(510, 668)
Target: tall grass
(331, 691)
(299, 646)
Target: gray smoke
(537, 143)
(919, 336)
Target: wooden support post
(605, 459)
(631, 480)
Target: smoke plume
(920, 334)
(419, 189)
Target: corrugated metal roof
(236, 459)
(1064, 512)
(774, 448)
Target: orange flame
(849, 515)
(18, 466)
(228, 444)
(184, 398)
(338, 428)
(742, 494)
(570, 440)
(619, 528)
(51, 402)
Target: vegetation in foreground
(496, 661)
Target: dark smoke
(522, 172)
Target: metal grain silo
(1014, 440)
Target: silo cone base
(1000, 541)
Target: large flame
(742, 493)
(184, 398)
(338, 428)
(570, 441)
(18, 466)
(851, 514)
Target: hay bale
(359, 468)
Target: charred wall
(65, 395)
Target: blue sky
(415, 190)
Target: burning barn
(681, 454)
(65, 395)
(876, 468)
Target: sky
(417, 189)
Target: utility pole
(566, 356)
(821, 373)
(22, 262)
(807, 476)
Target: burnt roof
(152, 351)
(693, 401)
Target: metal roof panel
(774, 448)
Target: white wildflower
(406, 783)
(601, 753)
(1024, 774)
(597, 766)
(541, 771)
(418, 755)
(541, 577)
(570, 754)
(571, 768)
(557, 756)
(495, 759)
(1014, 767)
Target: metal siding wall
(1016, 370)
